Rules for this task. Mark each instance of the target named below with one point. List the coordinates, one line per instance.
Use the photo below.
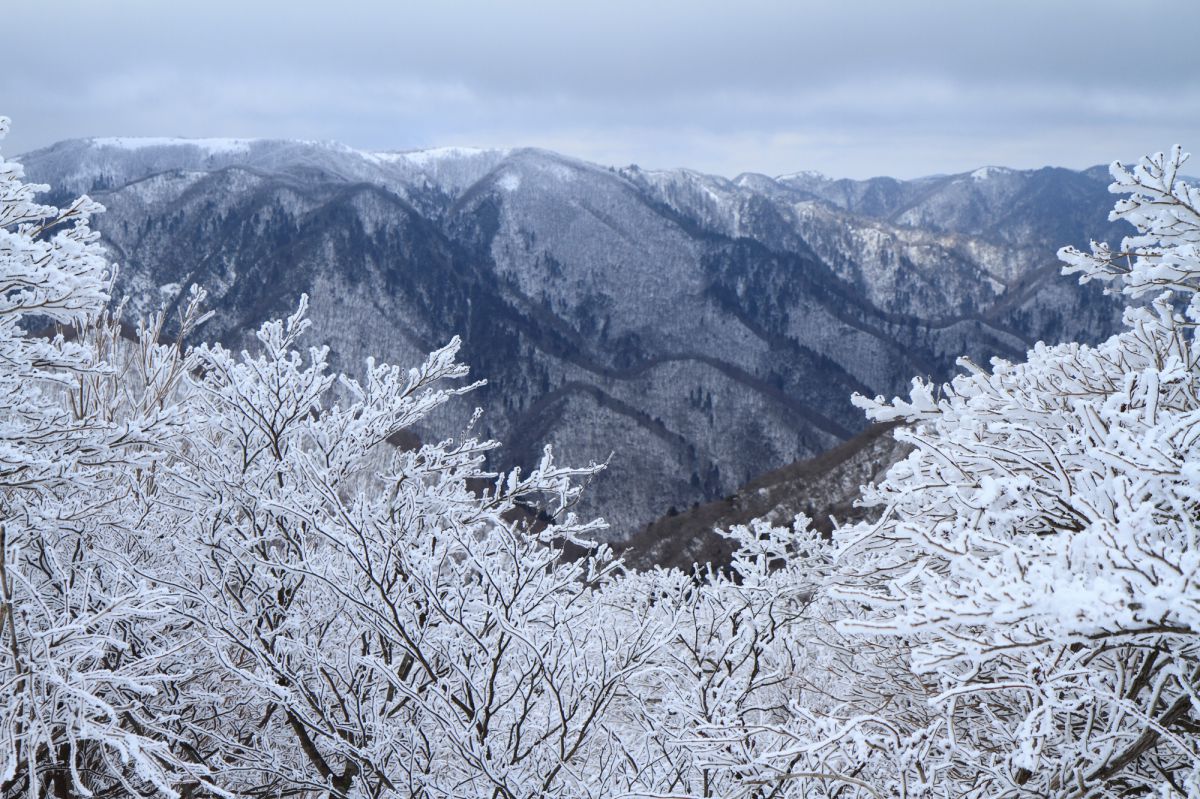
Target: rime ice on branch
(1039, 548)
(84, 646)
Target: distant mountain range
(702, 330)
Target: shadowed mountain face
(703, 331)
(824, 488)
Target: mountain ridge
(705, 329)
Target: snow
(420, 158)
(509, 181)
(561, 172)
(211, 146)
(428, 157)
(805, 174)
(985, 172)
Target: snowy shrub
(1039, 548)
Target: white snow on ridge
(806, 174)
(985, 172)
(427, 157)
(211, 146)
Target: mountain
(701, 330)
(825, 488)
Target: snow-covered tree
(757, 693)
(1039, 548)
(82, 639)
(219, 577)
(392, 623)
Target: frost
(1038, 550)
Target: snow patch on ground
(509, 181)
(562, 172)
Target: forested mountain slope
(700, 330)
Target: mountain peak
(986, 172)
(806, 176)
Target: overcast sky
(847, 88)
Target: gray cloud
(901, 88)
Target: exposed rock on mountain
(702, 330)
